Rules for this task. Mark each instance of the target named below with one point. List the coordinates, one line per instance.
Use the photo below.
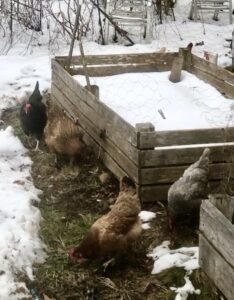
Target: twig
(84, 65)
(73, 36)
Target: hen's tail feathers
(36, 95)
(204, 159)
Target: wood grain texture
(180, 156)
(216, 267)
(218, 230)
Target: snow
(19, 77)
(184, 257)
(145, 226)
(186, 290)
(20, 245)
(188, 104)
(28, 60)
(145, 217)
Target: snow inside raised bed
(151, 97)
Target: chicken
(185, 195)
(112, 234)
(33, 116)
(62, 136)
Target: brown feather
(62, 136)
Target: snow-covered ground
(28, 60)
(20, 245)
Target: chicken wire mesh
(152, 97)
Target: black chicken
(33, 116)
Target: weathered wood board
(216, 267)
(216, 242)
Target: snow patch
(146, 216)
(184, 257)
(20, 245)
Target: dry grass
(68, 205)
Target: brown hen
(62, 136)
(112, 234)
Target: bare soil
(72, 199)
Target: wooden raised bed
(150, 157)
(216, 242)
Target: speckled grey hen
(186, 194)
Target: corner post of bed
(143, 129)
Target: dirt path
(72, 199)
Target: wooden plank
(212, 69)
(224, 87)
(158, 192)
(128, 58)
(218, 230)
(179, 156)
(154, 193)
(117, 129)
(120, 69)
(105, 157)
(167, 174)
(216, 267)
(218, 77)
(185, 137)
(106, 145)
(223, 203)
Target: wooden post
(143, 127)
(148, 22)
(195, 10)
(230, 11)
(176, 69)
(107, 22)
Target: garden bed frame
(216, 242)
(151, 158)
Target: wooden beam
(116, 59)
(167, 174)
(119, 69)
(185, 137)
(186, 155)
